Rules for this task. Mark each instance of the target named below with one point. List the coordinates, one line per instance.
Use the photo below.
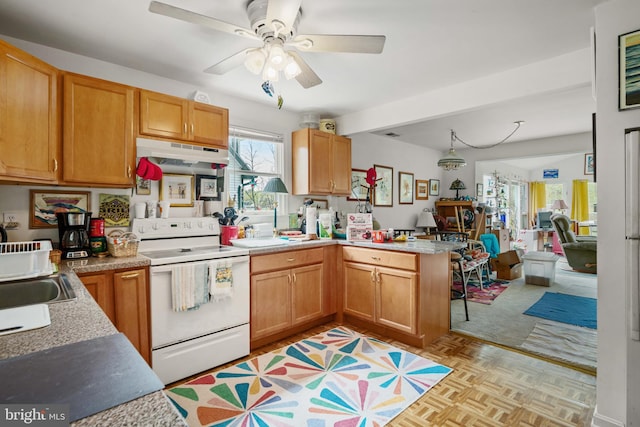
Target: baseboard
(599, 420)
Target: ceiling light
(270, 73)
(292, 68)
(255, 60)
(452, 161)
(277, 57)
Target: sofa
(581, 251)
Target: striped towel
(220, 280)
(189, 286)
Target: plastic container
(21, 260)
(539, 268)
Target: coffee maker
(73, 230)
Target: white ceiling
(430, 44)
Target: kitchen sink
(50, 289)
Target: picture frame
(628, 87)
(143, 186)
(434, 187)
(589, 164)
(359, 186)
(178, 189)
(44, 204)
(208, 187)
(383, 191)
(422, 189)
(405, 188)
(550, 173)
(479, 190)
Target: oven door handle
(168, 268)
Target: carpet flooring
(571, 309)
(503, 323)
(336, 378)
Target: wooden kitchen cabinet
(170, 117)
(376, 291)
(124, 297)
(98, 144)
(288, 291)
(29, 118)
(402, 295)
(321, 163)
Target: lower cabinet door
(270, 303)
(132, 308)
(100, 287)
(396, 294)
(306, 292)
(359, 290)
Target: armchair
(581, 251)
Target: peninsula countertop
(81, 320)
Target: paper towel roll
(311, 221)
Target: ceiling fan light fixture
(277, 57)
(292, 69)
(255, 60)
(270, 73)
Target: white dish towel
(189, 286)
(220, 280)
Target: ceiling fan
(274, 23)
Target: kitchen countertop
(81, 320)
(416, 246)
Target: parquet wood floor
(490, 386)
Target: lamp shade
(457, 185)
(559, 204)
(275, 185)
(452, 161)
(426, 220)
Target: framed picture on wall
(405, 188)
(383, 191)
(434, 187)
(589, 164)
(422, 189)
(207, 187)
(628, 53)
(359, 186)
(479, 190)
(44, 204)
(177, 189)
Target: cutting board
(20, 319)
(90, 376)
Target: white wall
(369, 149)
(618, 384)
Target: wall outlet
(8, 217)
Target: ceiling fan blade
(196, 18)
(229, 63)
(307, 78)
(284, 12)
(339, 43)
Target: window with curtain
(554, 192)
(254, 158)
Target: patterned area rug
(487, 294)
(337, 378)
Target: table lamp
(275, 185)
(559, 205)
(426, 221)
(457, 185)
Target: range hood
(178, 153)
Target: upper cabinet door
(320, 163)
(341, 151)
(170, 117)
(29, 117)
(209, 125)
(163, 115)
(98, 141)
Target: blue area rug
(571, 309)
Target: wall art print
(44, 204)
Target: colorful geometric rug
(337, 378)
(565, 308)
(485, 295)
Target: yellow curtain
(537, 199)
(580, 203)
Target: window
(554, 192)
(254, 158)
(593, 201)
